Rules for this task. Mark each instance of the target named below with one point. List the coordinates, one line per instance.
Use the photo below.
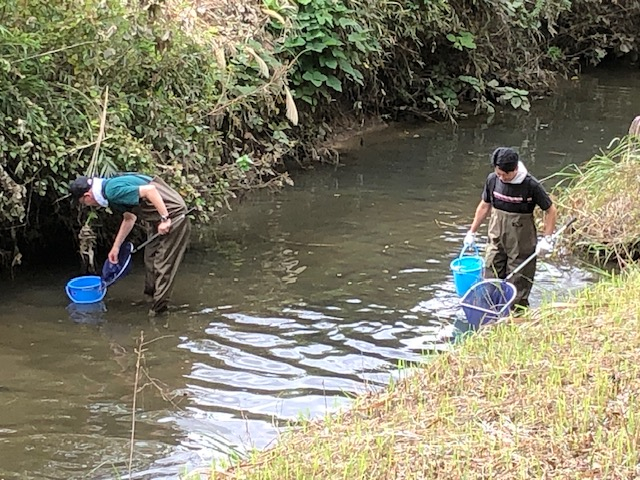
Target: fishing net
(111, 272)
(487, 301)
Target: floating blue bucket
(87, 289)
(467, 271)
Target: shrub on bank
(208, 96)
(602, 194)
(171, 105)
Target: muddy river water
(288, 306)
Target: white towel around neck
(520, 174)
(96, 190)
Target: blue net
(487, 301)
(111, 272)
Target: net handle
(157, 234)
(535, 254)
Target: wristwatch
(164, 218)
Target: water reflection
(87, 313)
(285, 309)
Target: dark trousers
(512, 238)
(162, 257)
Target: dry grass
(225, 22)
(603, 194)
(553, 397)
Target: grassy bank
(553, 396)
(601, 194)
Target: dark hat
(79, 187)
(506, 159)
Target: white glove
(545, 245)
(469, 239)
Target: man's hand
(113, 254)
(469, 239)
(545, 245)
(164, 226)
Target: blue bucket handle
(466, 247)
(71, 296)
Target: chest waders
(512, 238)
(163, 255)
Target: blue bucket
(87, 289)
(467, 271)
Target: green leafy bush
(171, 109)
(215, 119)
(330, 46)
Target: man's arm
(482, 212)
(128, 221)
(150, 193)
(549, 220)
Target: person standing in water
(510, 196)
(161, 208)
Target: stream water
(288, 306)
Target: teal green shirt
(123, 192)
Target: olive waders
(512, 238)
(163, 255)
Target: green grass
(551, 395)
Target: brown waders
(512, 238)
(163, 256)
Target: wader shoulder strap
(492, 187)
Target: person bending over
(160, 207)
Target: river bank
(548, 395)
(224, 98)
(291, 306)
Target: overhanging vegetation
(215, 97)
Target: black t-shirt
(515, 198)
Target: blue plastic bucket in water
(467, 271)
(87, 289)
